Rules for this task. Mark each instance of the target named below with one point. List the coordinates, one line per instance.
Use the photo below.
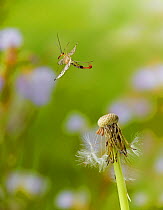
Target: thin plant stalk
(121, 185)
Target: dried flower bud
(115, 141)
(107, 120)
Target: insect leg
(60, 55)
(74, 63)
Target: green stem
(121, 185)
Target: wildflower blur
(36, 85)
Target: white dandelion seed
(93, 152)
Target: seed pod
(107, 119)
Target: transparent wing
(72, 51)
(60, 62)
(63, 71)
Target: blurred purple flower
(141, 107)
(140, 199)
(160, 76)
(75, 122)
(159, 165)
(145, 79)
(36, 85)
(65, 199)
(10, 37)
(122, 109)
(131, 107)
(68, 199)
(26, 182)
(1, 82)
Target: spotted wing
(72, 51)
(67, 66)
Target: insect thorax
(66, 59)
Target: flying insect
(68, 61)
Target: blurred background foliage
(41, 122)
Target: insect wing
(72, 51)
(63, 71)
(60, 62)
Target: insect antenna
(66, 46)
(59, 44)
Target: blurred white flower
(26, 182)
(140, 199)
(36, 85)
(10, 37)
(75, 122)
(158, 166)
(68, 199)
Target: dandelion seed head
(107, 120)
(100, 152)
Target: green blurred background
(120, 37)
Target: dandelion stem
(121, 185)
